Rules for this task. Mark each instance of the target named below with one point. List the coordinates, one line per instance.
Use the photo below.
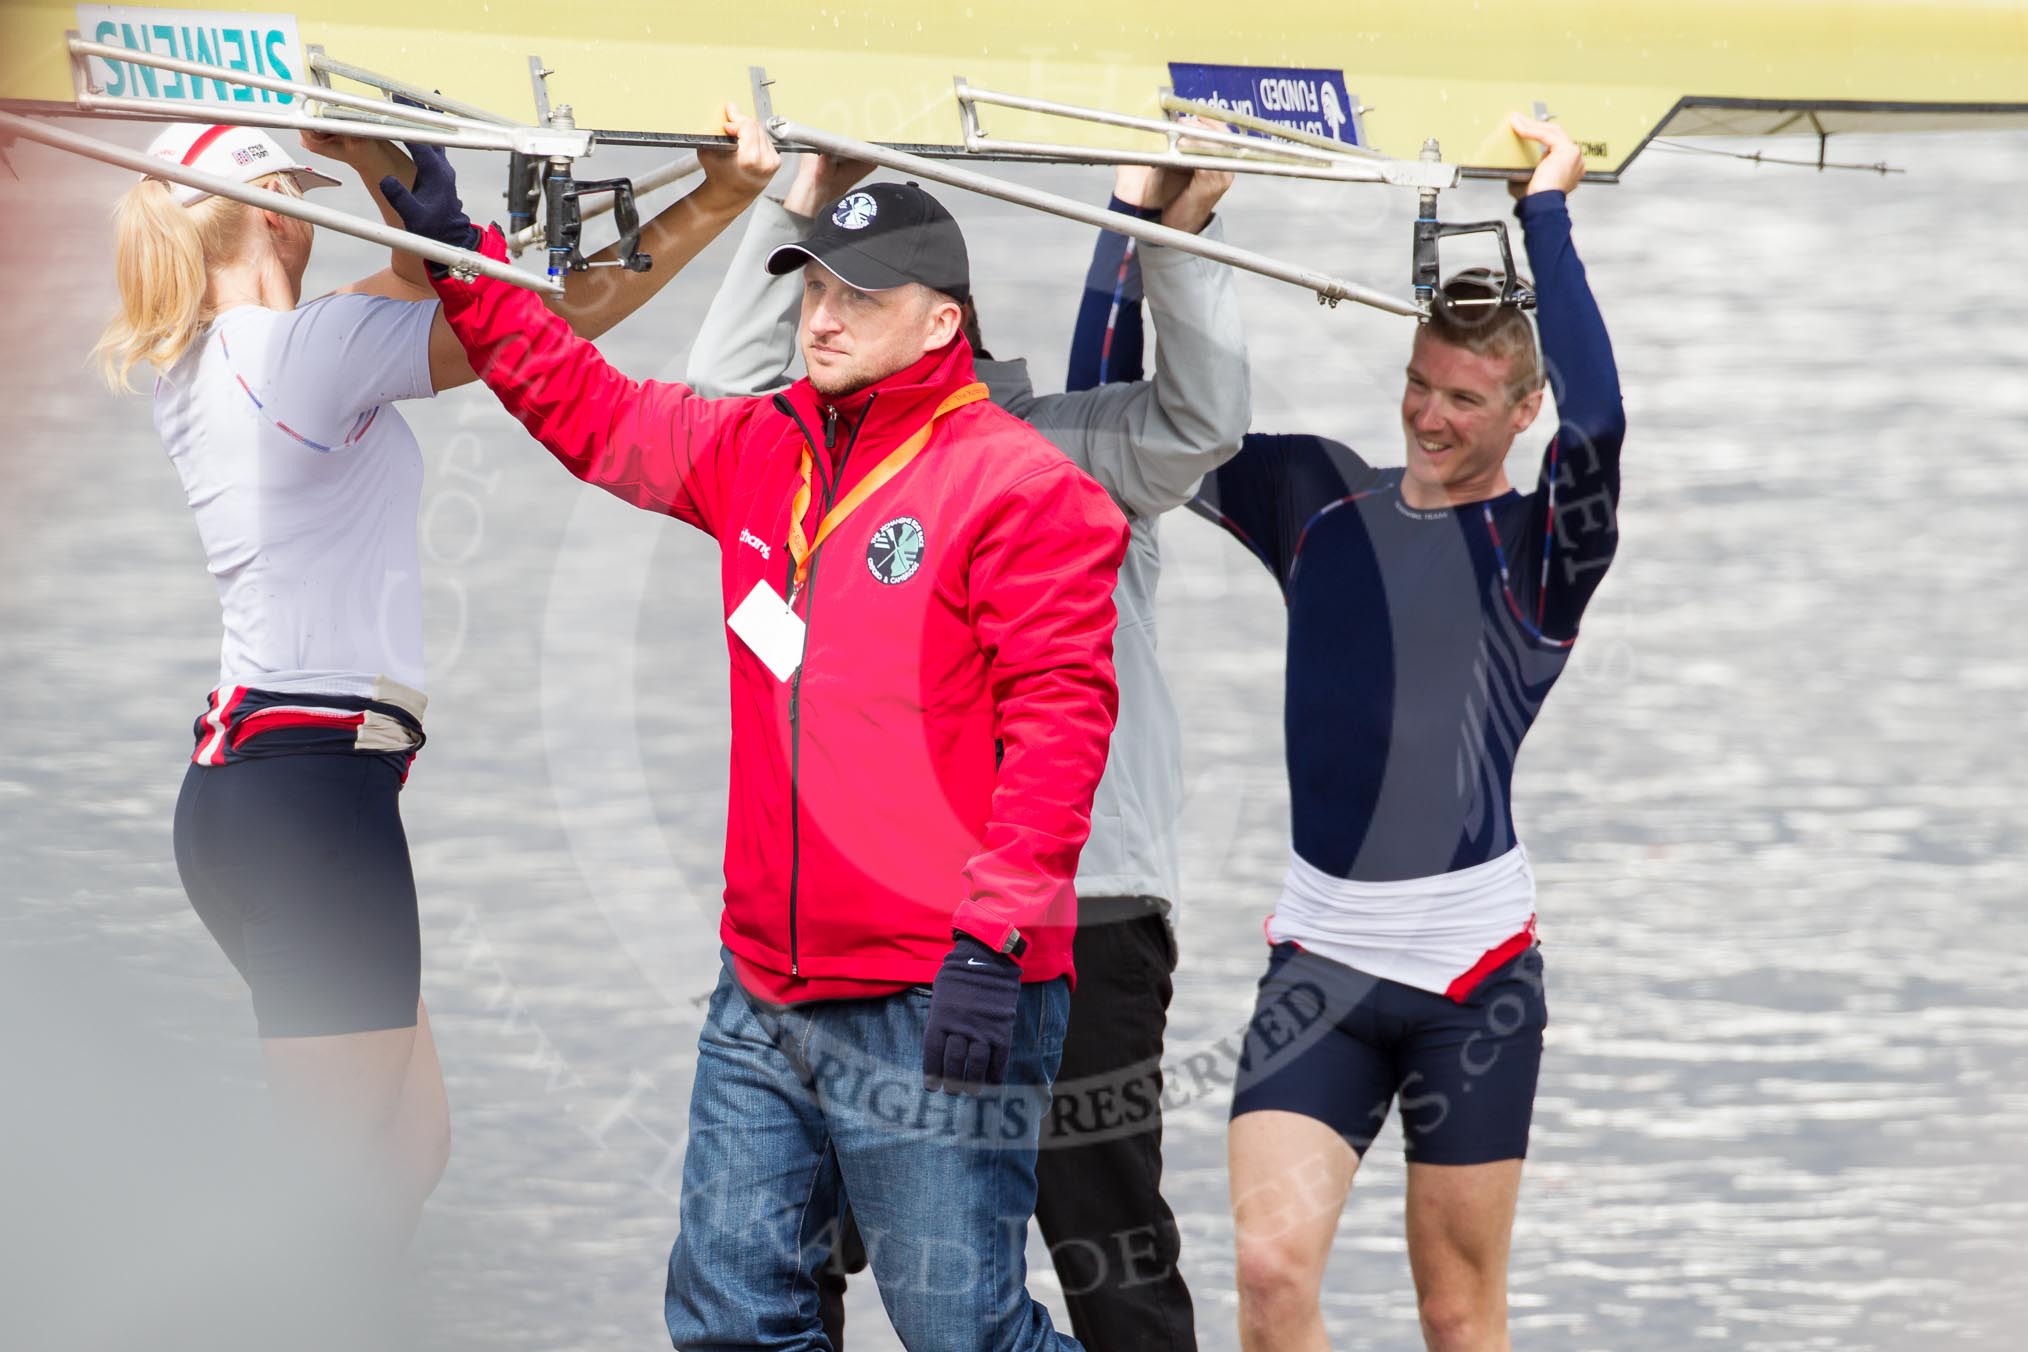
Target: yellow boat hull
(1615, 73)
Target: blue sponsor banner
(1315, 101)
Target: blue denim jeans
(795, 1107)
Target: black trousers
(1099, 1171)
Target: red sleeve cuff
(492, 244)
(991, 930)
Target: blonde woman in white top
(305, 482)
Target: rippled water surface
(1776, 806)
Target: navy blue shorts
(299, 867)
(1340, 1046)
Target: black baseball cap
(882, 236)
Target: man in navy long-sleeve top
(1431, 608)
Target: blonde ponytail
(164, 253)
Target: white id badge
(770, 629)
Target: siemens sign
(259, 44)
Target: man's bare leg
(1460, 1222)
(1290, 1177)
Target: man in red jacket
(918, 592)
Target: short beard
(843, 390)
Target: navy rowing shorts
(299, 867)
(1338, 1045)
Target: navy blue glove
(971, 1019)
(432, 209)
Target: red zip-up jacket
(931, 765)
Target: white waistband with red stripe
(1445, 933)
(242, 721)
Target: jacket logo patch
(895, 551)
(856, 212)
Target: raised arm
(656, 445)
(418, 191)
(373, 160)
(1107, 339)
(1150, 442)
(596, 300)
(1575, 529)
(748, 341)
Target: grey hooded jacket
(1148, 443)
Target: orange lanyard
(800, 547)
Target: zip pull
(830, 426)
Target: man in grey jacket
(1112, 1237)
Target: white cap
(242, 154)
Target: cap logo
(895, 551)
(856, 212)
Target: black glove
(432, 209)
(971, 1019)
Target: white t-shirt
(305, 485)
